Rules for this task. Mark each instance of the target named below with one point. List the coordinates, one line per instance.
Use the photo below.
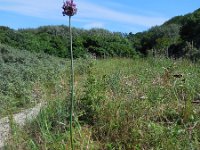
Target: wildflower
(69, 8)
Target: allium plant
(69, 9)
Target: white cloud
(35, 8)
(88, 12)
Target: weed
(124, 104)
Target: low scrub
(123, 104)
(23, 77)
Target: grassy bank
(121, 104)
(25, 77)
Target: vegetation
(172, 38)
(54, 40)
(122, 104)
(169, 40)
(24, 76)
(141, 93)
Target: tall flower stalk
(69, 9)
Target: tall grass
(123, 104)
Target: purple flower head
(69, 8)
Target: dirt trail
(19, 119)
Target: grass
(121, 104)
(24, 77)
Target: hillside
(24, 76)
(54, 40)
(178, 37)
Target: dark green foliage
(190, 30)
(156, 40)
(92, 99)
(170, 38)
(54, 40)
(164, 40)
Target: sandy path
(19, 119)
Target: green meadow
(120, 103)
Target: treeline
(54, 40)
(178, 37)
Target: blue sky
(114, 15)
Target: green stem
(72, 87)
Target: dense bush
(54, 40)
(169, 39)
(164, 40)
